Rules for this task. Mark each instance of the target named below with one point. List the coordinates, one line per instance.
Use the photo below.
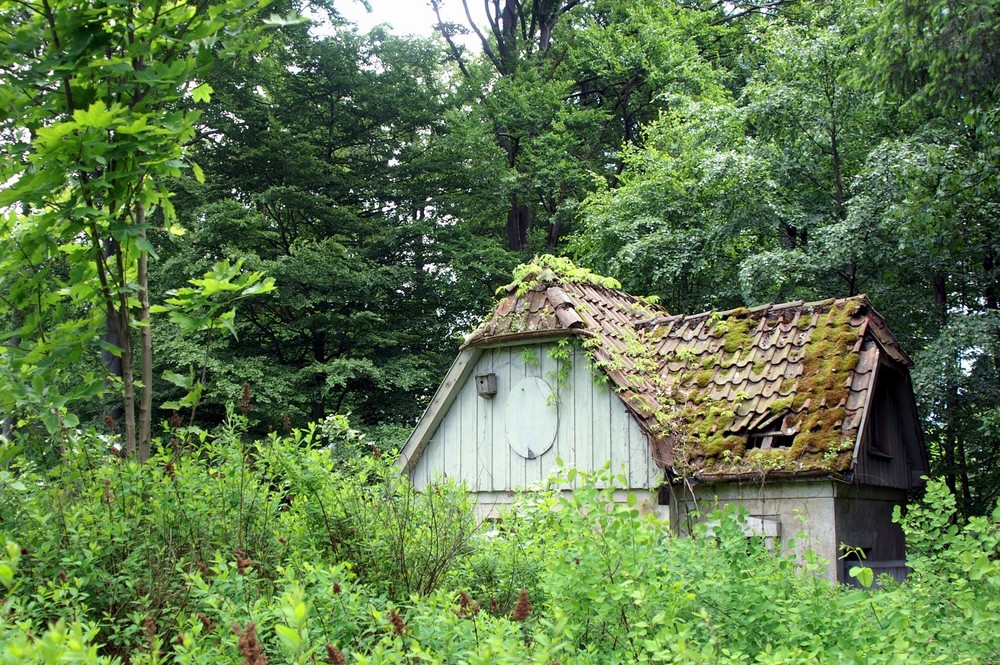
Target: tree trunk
(112, 363)
(145, 345)
(518, 223)
(951, 392)
(128, 384)
(7, 429)
(840, 198)
(318, 406)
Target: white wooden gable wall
(587, 426)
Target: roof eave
(803, 474)
(508, 339)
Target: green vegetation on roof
(549, 269)
(815, 407)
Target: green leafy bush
(230, 552)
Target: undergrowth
(221, 551)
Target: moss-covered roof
(776, 390)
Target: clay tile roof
(799, 373)
(549, 309)
(703, 386)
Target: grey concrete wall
(802, 510)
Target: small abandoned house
(801, 412)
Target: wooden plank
(499, 450)
(601, 439)
(583, 412)
(577, 436)
(465, 445)
(457, 375)
(418, 474)
(518, 371)
(619, 437)
(484, 425)
(546, 461)
(438, 454)
(637, 471)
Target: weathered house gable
(549, 407)
(891, 452)
(552, 403)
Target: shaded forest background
(714, 154)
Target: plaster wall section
(781, 511)
(493, 505)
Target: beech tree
(562, 86)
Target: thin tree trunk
(119, 314)
(840, 197)
(951, 393)
(8, 419)
(128, 385)
(963, 472)
(112, 362)
(318, 406)
(145, 345)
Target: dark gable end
(774, 391)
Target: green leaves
(864, 575)
(202, 93)
(93, 97)
(209, 303)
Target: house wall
(889, 455)
(803, 510)
(864, 520)
(825, 513)
(584, 425)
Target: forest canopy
(241, 240)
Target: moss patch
(781, 405)
(739, 336)
(704, 377)
(828, 361)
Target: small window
(769, 437)
(885, 428)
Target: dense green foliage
(174, 560)
(93, 130)
(713, 154)
(161, 162)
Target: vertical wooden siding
(593, 427)
(893, 420)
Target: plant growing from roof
(548, 269)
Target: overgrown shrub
(115, 542)
(232, 553)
